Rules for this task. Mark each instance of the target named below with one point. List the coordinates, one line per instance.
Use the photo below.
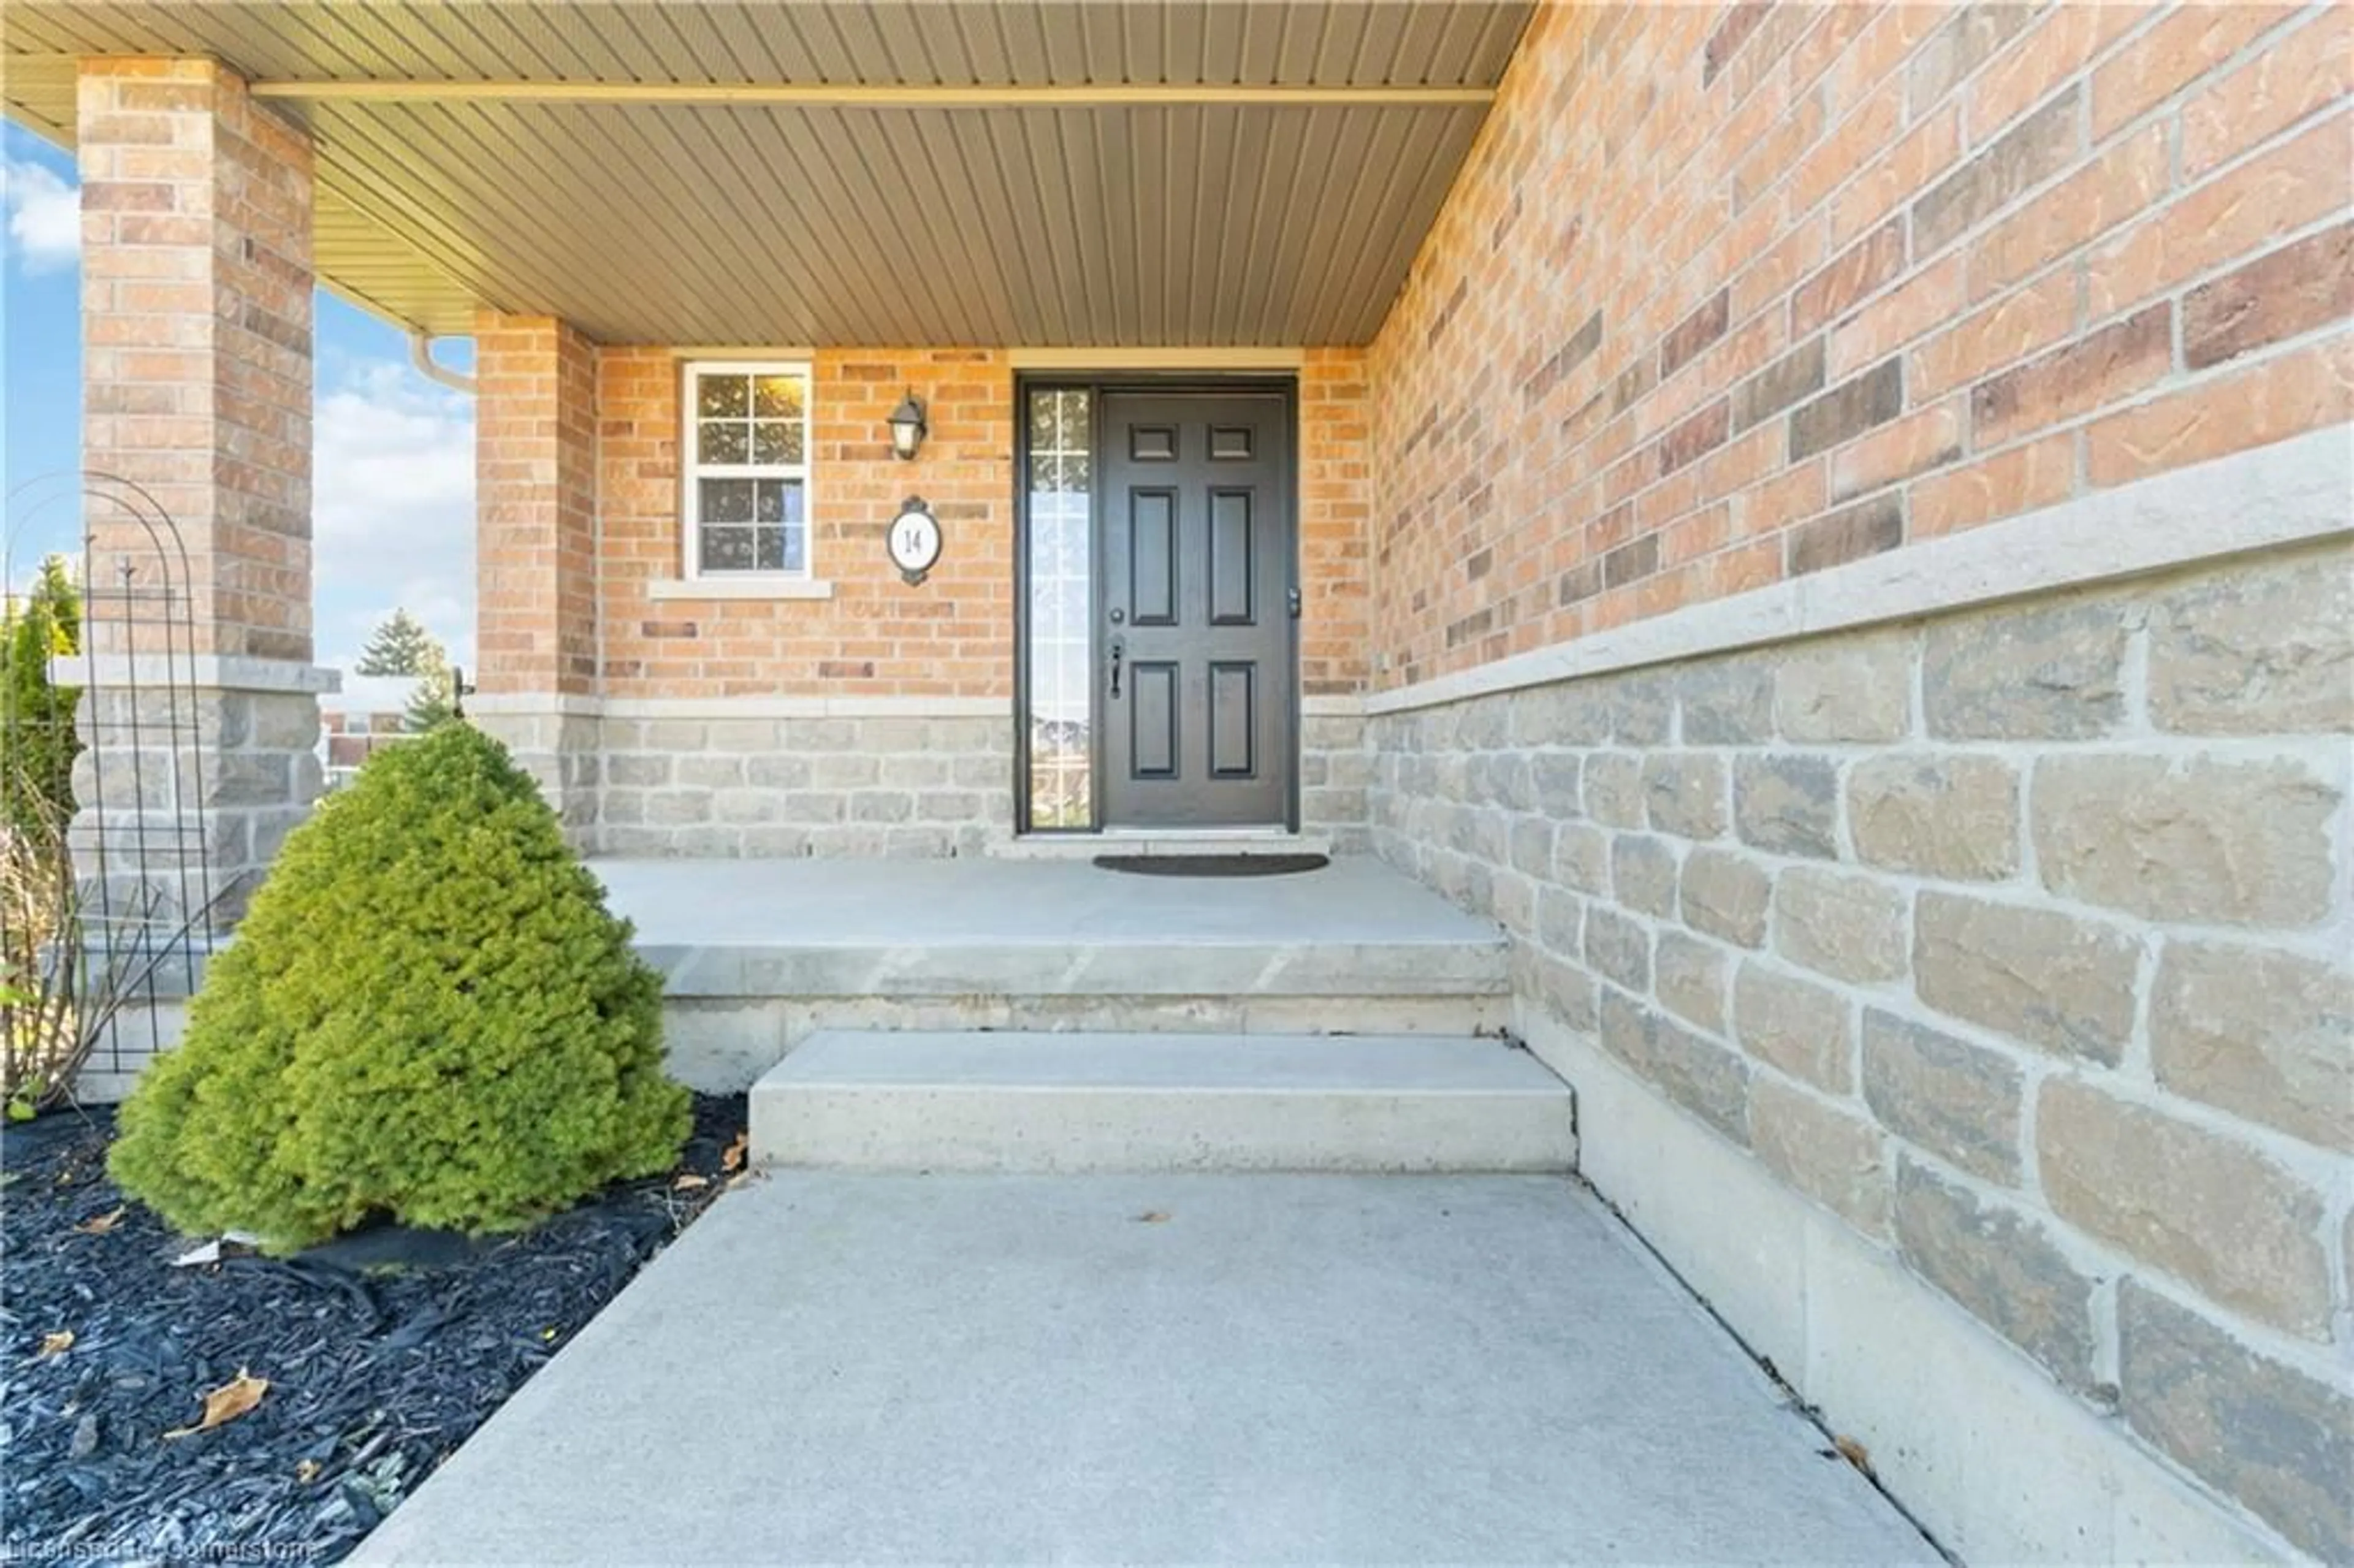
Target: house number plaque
(914, 540)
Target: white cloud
(393, 509)
(44, 217)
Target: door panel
(1196, 632)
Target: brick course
(1835, 280)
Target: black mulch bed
(378, 1368)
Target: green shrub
(427, 1015)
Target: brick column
(535, 552)
(196, 327)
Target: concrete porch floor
(852, 1368)
(818, 903)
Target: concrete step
(970, 1101)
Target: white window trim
(690, 493)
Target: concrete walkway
(833, 1368)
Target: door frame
(1097, 384)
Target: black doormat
(1213, 864)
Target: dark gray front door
(1197, 641)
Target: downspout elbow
(420, 353)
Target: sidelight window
(1058, 609)
(744, 455)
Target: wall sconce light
(908, 428)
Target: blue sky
(393, 469)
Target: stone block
(1581, 858)
(882, 806)
(2265, 1034)
(844, 770)
(1703, 1077)
(1614, 789)
(1847, 926)
(742, 807)
(2049, 673)
(1690, 979)
(1554, 776)
(776, 842)
(913, 770)
(1511, 900)
(780, 770)
(1642, 708)
(1956, 1100)
(2036, 975)
(738, 737)
(1643, 875)
(1799, 1026)
(1729, 703)
(709, 771)
(2213, 1212)
(1532, 846)
(1560, 923)
(1569, 714)
(1617, 948)
(814, 806)
(638, 770)
(1786, 803)
(1853, 689)
(1683, 794)
(2257, 1429)
(2001, 1265)
(1946, 816)
(1565, 989)
(980, 772)
(2201, 841)
(2265, 648)
(1725, 894)
(280, 721)
(816, 735)
(676, 735)
(674, 808)
(1836, 1158)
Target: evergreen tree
(435, 700)
(399, 646)
(38, 743)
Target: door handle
(1117, 651)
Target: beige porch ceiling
(985, 172)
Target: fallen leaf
(1152, 1217)
(734, 1156)
(306, 1470)
(57, 1345)
(226, 1402)
(688, 1181)
(1855, 1453)
(103, 1224)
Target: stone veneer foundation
(2015, 939)
(934, 778)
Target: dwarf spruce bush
(428, 1014)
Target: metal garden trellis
(133, 911)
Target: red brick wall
(196, 318)
(1726, 295)
(536, 503)
(876, 636)
(1335, 517)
